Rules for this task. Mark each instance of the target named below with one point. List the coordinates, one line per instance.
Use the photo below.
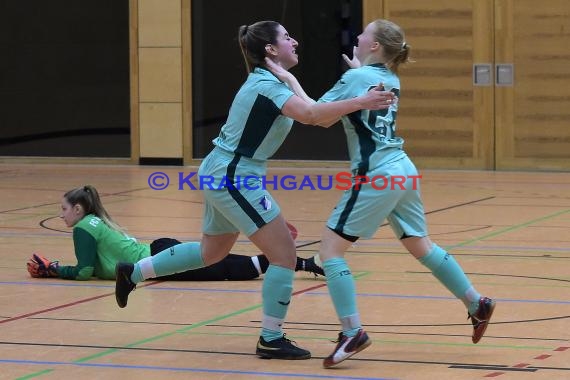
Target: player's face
(286, 48)
(366, 42)
(70, 214)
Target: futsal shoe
(309, 265)
(123, 283)
(281, 348)
(346, 347)
(481, 318)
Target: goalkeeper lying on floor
(100, 244)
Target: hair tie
(404, 45)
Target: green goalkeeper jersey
(99, 248)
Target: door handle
(482, 74)
(504, 74)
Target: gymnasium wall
(64, 86)
(152, 80)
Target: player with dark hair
(259, 120)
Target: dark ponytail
(253, 39)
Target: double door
(490, 85)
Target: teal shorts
(242, 206)
(392, 193)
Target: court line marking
(187, 369)
(300, 327)
(160, 336)
(510, 228)
(528, 365)
(199, 324)
(66, 305)
(425, 213)
(249, 291)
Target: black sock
(300, 264)
(263, 263)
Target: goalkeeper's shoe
(310, 265)
(123, 283)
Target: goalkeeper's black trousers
(233, 267)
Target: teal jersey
(371, 135)
(98, 248)
(255, 127)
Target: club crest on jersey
(265, 202)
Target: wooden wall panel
(162, 127)
(160, 75)
(532, 116)
(445, 120)
(187, 83)
(372, 10)
(134, 78)
(161, 21)
(160, 79)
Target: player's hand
(353, 62)
(278, 70)
(378, 98)
(40, 267)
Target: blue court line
(83, 285)
(382, 295)
(555, 302)
(187, 369)
(360, 243)
(464, 248)
(513, 248)
(314, 293)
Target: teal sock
(276, 294)
(451, 275)
(343, 293)
(176, 259)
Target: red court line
(68, 304)
(309, 289)
(110, 294)
(542, 357)
(523, 365)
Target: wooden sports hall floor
(509, 230)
